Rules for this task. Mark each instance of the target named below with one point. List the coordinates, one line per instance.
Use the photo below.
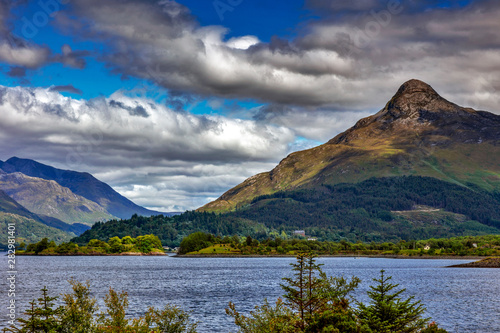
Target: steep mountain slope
(10, 206)
(417, 133)
(377, 209)
(80, 183)
(48, 198)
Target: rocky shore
(484, 263)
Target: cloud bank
(351, 58)
(163, 158)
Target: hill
(48, 198)
(417, 133)
(29, 230)
(171, 230)
(378, 209)
(80, 183)
(11, 206)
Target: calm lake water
(458, 299)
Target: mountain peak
(415, 87)
(417, 108)
(416, 99)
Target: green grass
(217, 249)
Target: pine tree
(115, 321)
(41, 316)
(50, 320)
(388, 312)
(303, 291)
(30, 324)
(315, 284)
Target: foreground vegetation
(79, 314)
(208, 244)
(148, 244)
(312, 302)
(378, 209)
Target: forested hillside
(28, 230)
(378, 209)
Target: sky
(174, 102)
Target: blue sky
(191, 97)
(263, 19)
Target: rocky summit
(417, 133)
(417, 109)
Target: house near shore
(300, 233)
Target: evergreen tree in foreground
(388, 312)
(317, 303)
(78, 315)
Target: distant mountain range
(43, 198)
(81, 183)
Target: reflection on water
(458, 299)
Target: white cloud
(160, 157)
(166, 44)
(242, 43)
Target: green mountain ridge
(417, 133)
(378, 209)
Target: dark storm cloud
(17, 72)
(164, 44)
(133, 111)
(66, 88)
(348, 59)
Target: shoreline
(194, 256)
(391, 256)
(129, 254)
(490, 262)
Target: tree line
(115, 245)
(205, 243)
